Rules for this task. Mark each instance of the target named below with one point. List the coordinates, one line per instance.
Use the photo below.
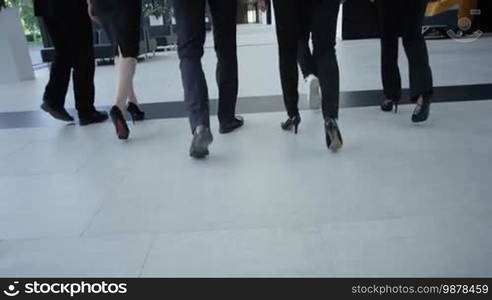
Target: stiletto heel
(135, 112)
(292, 123)
(390, 104)
(119, 122)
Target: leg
(304, 55)
(324, 19)
(390, 14)
(57, 87)
(288, 33)
(190, 21)
(224, 18)
(416, 49)
(126, 32)
(125, 75)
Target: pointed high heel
(292, 123)
(422, 110)
(389, 105)
(119, 122)
(135, 112)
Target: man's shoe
(236, 123)
(93, 118)
(202, 138)
(57, 113)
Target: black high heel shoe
(292, 123)
(119, 122)
(334, 140)
(422, 110)
(389, 104)
(135, 112)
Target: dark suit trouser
(305, 56)
(321, 17)
(404, 18)
(73, 43)
(190, 24)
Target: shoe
(314, 92)
(119, 122)
(57, 113)
(93, 118)
(135, 112)
(292, 123)
(236, 123)
(334, 139)
(389, 104)
(202, 138)
(422, 110)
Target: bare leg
(126, 71)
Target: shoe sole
(226, 131)
(314, 95)
(55, 115)
(122, 131)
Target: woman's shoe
(422, 110)
(135, 112)
(389, 104)
(292, 123)
(119, 122)
(334, 140)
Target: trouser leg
(190, 25)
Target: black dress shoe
(93, 118)
(202, 138)
(57, 113)
(236, 123)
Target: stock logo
(67, 288)
(11, 290)
(464, 25)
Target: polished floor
(399, 200)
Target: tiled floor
(399, 200)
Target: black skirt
(122, 20)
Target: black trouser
(404, 18)
(190, 24)
(73, 43)
(321, 17)
(305, 56)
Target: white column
(15, 60)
